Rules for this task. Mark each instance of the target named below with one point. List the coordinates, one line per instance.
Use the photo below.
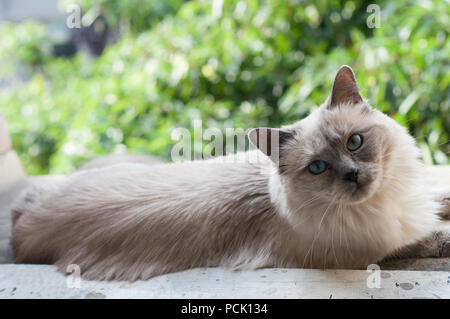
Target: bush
(25, 47)
(256, 65)
(130, 15)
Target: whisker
(346, 237)
(308, 203)
(309, 252)
(332, 242)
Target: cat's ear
(345, 89)
(269, 140)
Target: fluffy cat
(341, 188)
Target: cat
(342, 188)
(109, 160)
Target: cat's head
(338, 152)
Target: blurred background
(131, 71)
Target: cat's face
(337, 153)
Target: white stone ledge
(39, 281)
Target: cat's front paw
(443, 243)
(435, 245)
(445, 210)
(443, 198)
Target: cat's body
(135, 221)
(157, 219)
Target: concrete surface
(36, 281)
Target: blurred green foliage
(128, 15)
(258, 63)
(24, 48)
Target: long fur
(134, 221)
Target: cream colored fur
(347, 235)
(133, 221)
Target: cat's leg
(437, 244)
(443, 197)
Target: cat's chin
(359, 194)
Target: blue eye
(354, 142)
(318, 167)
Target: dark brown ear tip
(347, 72)
(345, 89)
(346, 67)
